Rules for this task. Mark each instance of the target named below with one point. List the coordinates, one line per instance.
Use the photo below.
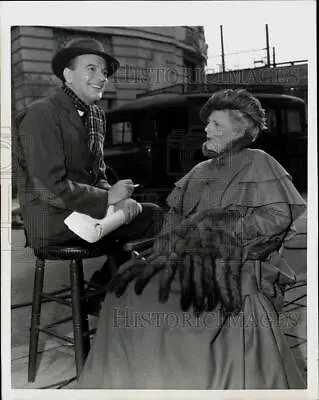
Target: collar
(77, 102)
(229, 152)
(65, 105)
(61, 99)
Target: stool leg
(84, 311)
(80, 318)
(35, 319)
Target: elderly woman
(202, 311)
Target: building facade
(150, 58)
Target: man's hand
(121, 190)
(130, 207)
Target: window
(283, 120)
(190, 71)
(272, 122)
(293, 120)
(122, 133)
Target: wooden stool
(80, 292)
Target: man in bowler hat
(60, 156)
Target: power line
(239, 52)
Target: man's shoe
(94, 305)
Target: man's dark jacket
(54, 170)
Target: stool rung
(56, 334)
(294, 301)
(294, 336)
(53, 333)
(60, 321)
(299, 344)
(56, 299)
(300, 305)
(67, 289)
(296, 286)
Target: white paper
(91, 229)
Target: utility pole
(267, 46)
(222, 45)
(274, 57)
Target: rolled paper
(83, 226)
(91, 229)
(112, 220)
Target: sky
(290, 27)
(291, 23)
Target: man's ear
(67, 73)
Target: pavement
(56, 360)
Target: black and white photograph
(159, 200)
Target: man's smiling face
(87, 77)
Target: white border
(146, 13)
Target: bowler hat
(77, 47)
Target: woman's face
(221, 129)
